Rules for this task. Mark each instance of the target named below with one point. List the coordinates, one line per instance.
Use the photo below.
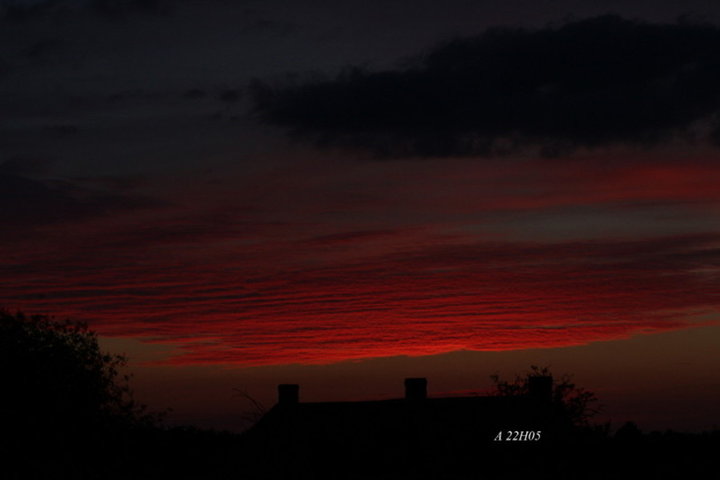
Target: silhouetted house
(400, 438)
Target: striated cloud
(280, 268)
(233, 307)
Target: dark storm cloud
(590, 83)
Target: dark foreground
(66, 412)
(188, 453)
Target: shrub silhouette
(577, 404)
(65, 401)
(55, 370)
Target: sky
(238, 194)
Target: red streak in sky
(304, 281)
(423, 301)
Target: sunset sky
(342, 194)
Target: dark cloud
(590, 83)
(42, 48)
(348, 238)
(280, 29)
(22, 12)
(61, 129)
(194, 93)
(26, 201)
(22, 165)
(118, 8)
(230, 96)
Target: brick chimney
(415, 388)
(288, 394)
(540, 388)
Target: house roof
(390, 432)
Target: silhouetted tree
(256, 409)
(56, 369)
(63, 397)
(577, 403)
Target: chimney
(415, 388)
(288, 394)
(540, 388)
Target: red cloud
(428, 300)
(299, 281)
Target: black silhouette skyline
(69, 414)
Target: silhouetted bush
(577, 403)
(66, 405)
